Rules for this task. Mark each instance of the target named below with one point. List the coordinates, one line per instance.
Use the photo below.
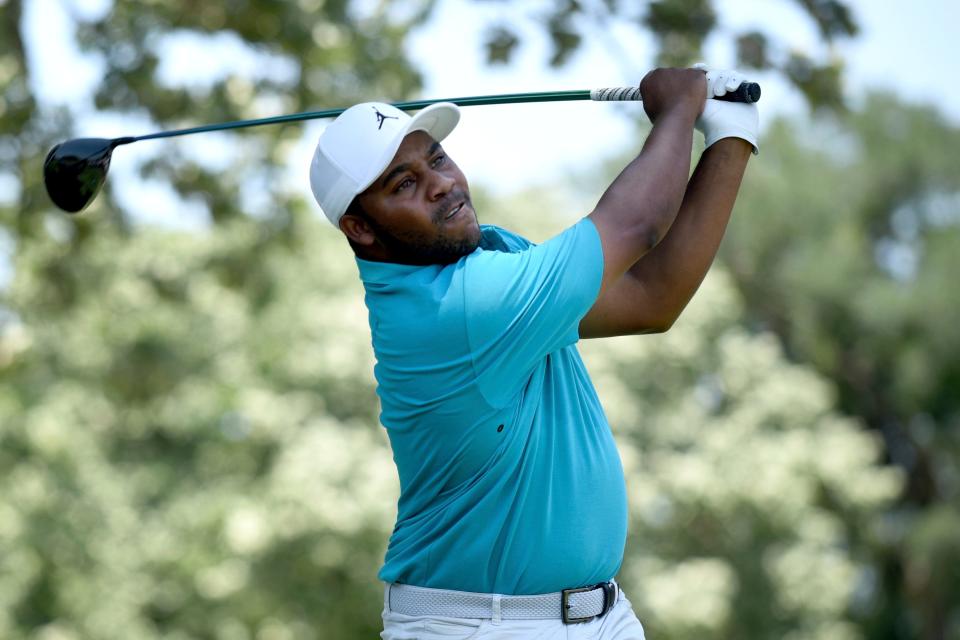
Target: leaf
(833, 18)
(691, 18)
(819, 83)
(565, 40)
(681, 26)
(500, 43)
(752, 50)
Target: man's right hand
(664, 90)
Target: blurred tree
(163, 399)
(188, 441)
(681, 27)
(258, 58)
(193, 451)
(753, 504)
(846, 244)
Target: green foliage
(336, 52)
(180, 456)
(846, 244)
(680, 28)
(191, 449)
(753, 504)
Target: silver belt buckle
(609, 598)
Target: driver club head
(75, 170)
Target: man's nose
(440, 185)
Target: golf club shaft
(747, 92)
(545, 96)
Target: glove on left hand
(727, 119)
(720, 81)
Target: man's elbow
(651, 325)
(660, 327)
(663, 321)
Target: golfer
(512, 516)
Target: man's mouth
(454, 211)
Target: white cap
(355, 149)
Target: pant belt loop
(386, 597)
(496, 608)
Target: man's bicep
(620, 248)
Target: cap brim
(437, 120)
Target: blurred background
(189, 437)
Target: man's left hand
(720, 81)
(722, 119)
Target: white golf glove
(727, 119)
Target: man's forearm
(674, 269)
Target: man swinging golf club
(512, 516)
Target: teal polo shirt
(510, 480)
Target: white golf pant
(620, 623)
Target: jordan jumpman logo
(382, 118)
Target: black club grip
(747, 92)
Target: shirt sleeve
(523, 305)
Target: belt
(570, 605)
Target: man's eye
(403, 184)
(439, 160)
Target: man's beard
(411, 247)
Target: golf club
(74, 171)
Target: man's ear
(357, 229)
